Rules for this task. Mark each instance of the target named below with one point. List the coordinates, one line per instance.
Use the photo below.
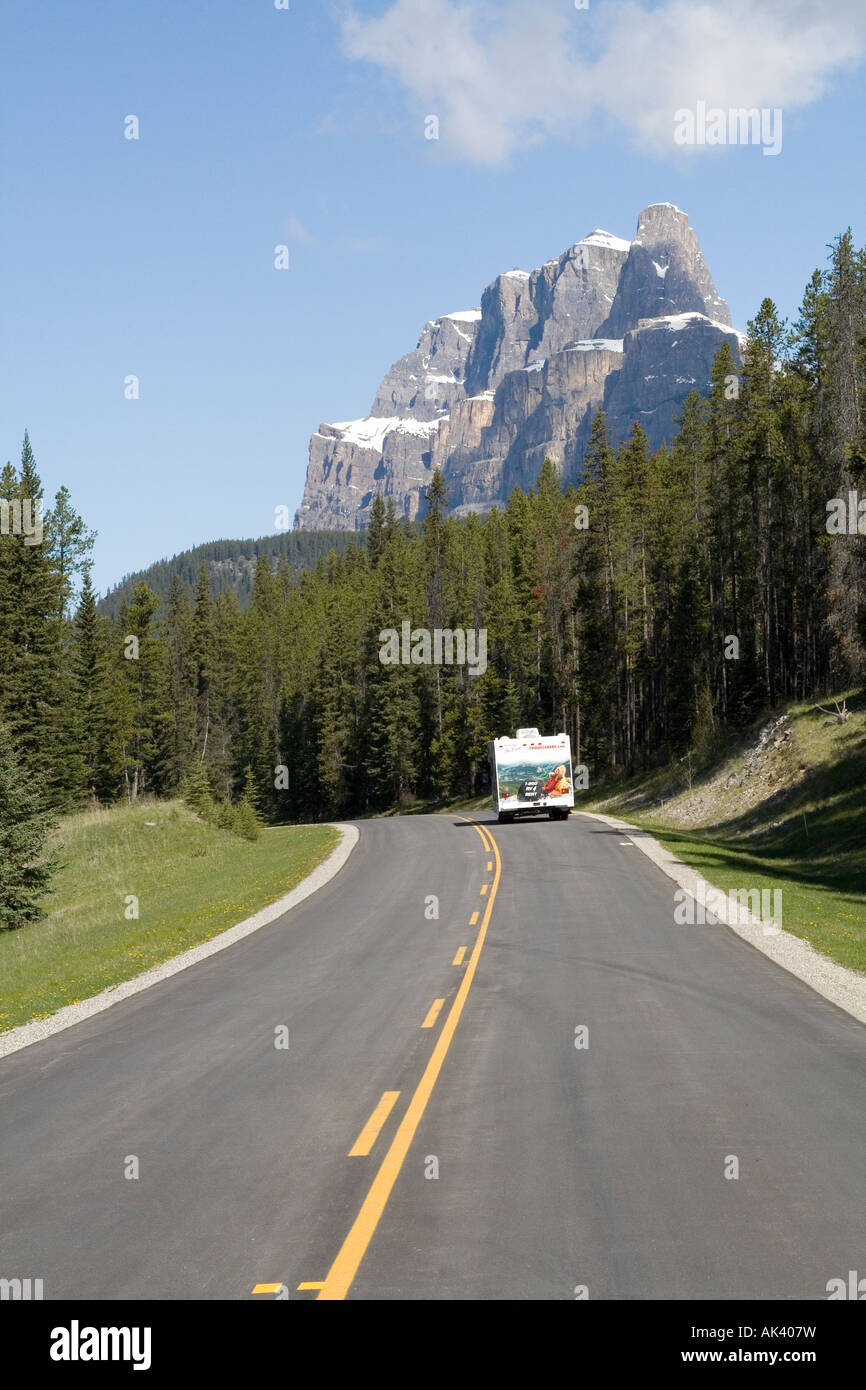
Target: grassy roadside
(786, 809)
(830, 917)
(192, 881)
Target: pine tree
(196, 793)
(138, 696)
(844, 450)
(25, 871)
(376, 530)
(334, 711)
(70, 544)
(247, 822)
(390, 719)
(223, 723)
(30, 638)
(809, 411)
(202, 656)
(179, 700)
(92, 694)
(437, 766)
(598, 626)
(632, 598)
(684, 655)
(257, 686)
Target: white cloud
(503, 75)
(296, 231)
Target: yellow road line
(433, 1013)
(314, 1284)
(484, 888)
(489, 865)
(473, 919)
(267, 1288)
(370, 1133)
(352, 1251)
(458, 959)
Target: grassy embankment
(785, 809)
(192, 881)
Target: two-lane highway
(546, 1087)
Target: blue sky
(305, 126)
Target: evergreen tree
(25, 871)
(391, 715)
(196, 792)
(596, 605)
(248, 825)
(844, 451)
(180, 698)
(92, 694)
(202, 657)
(30, 601)
(376, 530)
(70, 544)
(138, 694)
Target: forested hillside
(664, 601)
(230, 565)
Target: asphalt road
(511, 1164)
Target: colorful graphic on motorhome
(531, 778)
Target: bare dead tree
(841, 714)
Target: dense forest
(230, 565)
(660, 604)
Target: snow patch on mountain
(597, 345)
(370, 432)
(602, 238)
(676, 322)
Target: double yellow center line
(370, 1133)
(342, 1272)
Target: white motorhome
(530, 774)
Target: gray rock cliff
(489, 392)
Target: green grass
(798, 823)
(192, 880)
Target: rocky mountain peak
(664, 273)
(661, 222)
(489, 392)
(425, 384)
